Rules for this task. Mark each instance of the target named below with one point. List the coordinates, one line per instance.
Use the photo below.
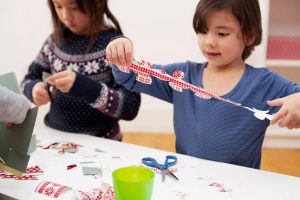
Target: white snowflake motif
(73, 66)
(107, 65)
(50, 57)
(58, 65)
(91, 67)
(48, 53)
(46, 49)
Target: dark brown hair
(247, 12)
(97, 11)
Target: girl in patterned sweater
(84, 95)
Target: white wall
(24, 27)
(284, 18)
(160, 29)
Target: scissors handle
(151, 162)
(170, 161)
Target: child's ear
(250, 39)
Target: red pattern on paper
(144, 70)
(109, 194)
(29, 174)
(220, 186)
(34, 169)
(8, 176)
(61, 147)
(105, 192)
(94, 194)
(27, 177)
(50, 189)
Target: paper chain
(144, 70)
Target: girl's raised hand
(289, 113)
(39, 94)
(120, 52)
(63, 81)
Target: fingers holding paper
(63, 81)
(120, 52)
(39, 94)
(289, 113)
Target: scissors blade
(163, 175)
(171, 174)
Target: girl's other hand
(120, 52)
(289, 114)
(63, 80)
(39, 94)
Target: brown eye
(223, 34)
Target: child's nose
(66, 15)
(210, 40)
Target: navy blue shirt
(213, 129)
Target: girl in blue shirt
(228, 31)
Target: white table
(194, 174)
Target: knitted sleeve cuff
(85, 88)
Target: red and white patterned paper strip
(105, 192)
(54, 190)
(33, 170)
(30, 174)
(221, 187)
(158, 171)
(144, 70)
(51, 189)
(94, 194)
(8, 176)
(61, 147)
(24, 177)
(109, 194)
(27, 177)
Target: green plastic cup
(133, 183)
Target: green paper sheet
(17, 141)
(91, 170)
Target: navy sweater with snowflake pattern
(95, 102)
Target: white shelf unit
(283, 43)
(283, 63)
(282, 23)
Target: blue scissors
(170, 161)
